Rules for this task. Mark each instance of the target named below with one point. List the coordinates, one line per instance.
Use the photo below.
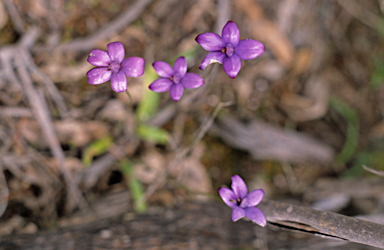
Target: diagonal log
(323, 223)
(187, 226)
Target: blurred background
(300, 121)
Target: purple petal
(163, 69)
(176, 91)
(98, 75)
(249, 49)
(116, 51)
(230, 33)
(239, 187)
(228, 196)
(210, 41)
(237, 213)
(161, 85)
(212, 57)
(232, 65)
(119, 82)
(180, 66)
(133, 66)
(98, 58)
(252, 199)
(192, 81)
(256, 215)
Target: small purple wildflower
(243, 204)
(228, 50)
(175, 78)
(112, 66)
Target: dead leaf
(73, 164)
(68, 131)
(244, 90)
(135, 89)
(7, 227)
(303, 61)
(79, 133)
(192, 174)
(58, 72)
(194, 16)
(153, 164)
(312, 105)
(252, 10)
(114, 110)
(267, 32)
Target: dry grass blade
(13, 12)
(53, 91)
(374, 171)
(15, 112)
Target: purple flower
(175, 79)
(112, 66)
(243, 204)
(228, 50)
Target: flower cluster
(242, 202)
(228, 50)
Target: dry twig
(14, 55)
(52, 89)
(360, 13)
(89, 42)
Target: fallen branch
(323, 223)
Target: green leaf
(152, 134)
(98, 147)
(134, 186)
(380, 27)
(377, 78)
(189, 55)
(148, 105)
(353, 128)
